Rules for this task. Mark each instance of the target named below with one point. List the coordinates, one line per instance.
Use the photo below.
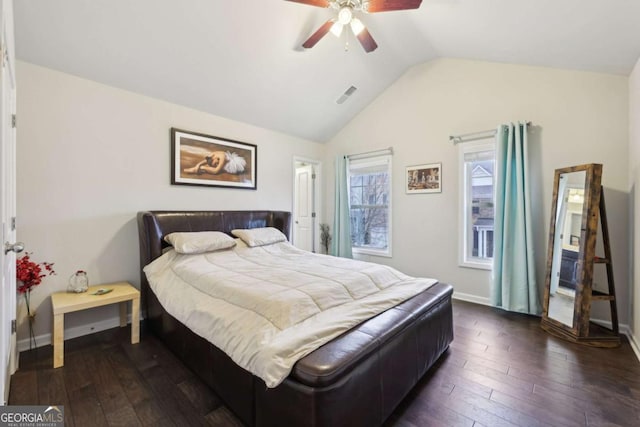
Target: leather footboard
(355, 380)
(359, 378)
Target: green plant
(325, 237)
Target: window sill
(374, 252)
(476, 265)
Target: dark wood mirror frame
(582, 330)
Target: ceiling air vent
(347, 93)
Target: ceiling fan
(346, 9)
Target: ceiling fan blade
(318, 3)
(367, 42)
(389, 5)
(320, 33)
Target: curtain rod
(474, 136)
(467, 137)
(370, 154)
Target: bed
(356, 379)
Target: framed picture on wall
(424, 178)
(198, 159)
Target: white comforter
(269, 306)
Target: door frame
(8, 347)
(317, 167)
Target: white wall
(90, 156)
(634, 186)
(579, 118)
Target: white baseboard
(635, 345)
(471, 298)
(607, 324)
(624, 329)
(78, 331)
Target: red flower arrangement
(30, 274)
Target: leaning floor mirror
(577, 209)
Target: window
(477, 166)
(370, 205)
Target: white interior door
(8, 348)
(304, 214)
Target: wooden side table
(65, 302)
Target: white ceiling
(242, 59)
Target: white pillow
(240, 244)
(199, 242)
(260, 236)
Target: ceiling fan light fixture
(345, 15)
(346, 10)
(336, 29)
(356, 26)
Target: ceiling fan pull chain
(346, 41)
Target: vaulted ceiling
(242, 59)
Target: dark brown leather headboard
(154, 225)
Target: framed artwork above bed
(199, 159)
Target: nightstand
(65, 302)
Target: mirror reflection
(565, 269)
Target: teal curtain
(341, 242)
(514, 285)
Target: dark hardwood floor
(501, 370)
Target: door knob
(16, 247)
